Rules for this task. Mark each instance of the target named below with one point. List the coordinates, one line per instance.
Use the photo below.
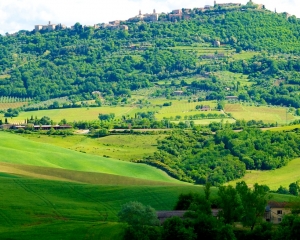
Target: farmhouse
(275, 211)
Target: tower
(154, 11)
(140, 12)
(215, 3)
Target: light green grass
(123, 147)
(18, 150)
(42, 209)
(266, 114)
(244, 55)
(17, 170)
(284, 128)
(274, 178)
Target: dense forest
(224, 156)
(78, 61)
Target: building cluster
(117, 24)
(175, 15)
(49, 27)
(185, 13)
(152, 17)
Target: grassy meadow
(18, 150)
(266, 114)
(274, 178)
(122, 147)
(179, 108)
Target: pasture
(122, 147)
(266, 114)
(274, 178)
(18, 150)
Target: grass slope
(35, 209)
(18, 150)
(16, 170)
(274, 178)
(123, 147)
(43, 209)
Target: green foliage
(253, 202)
(106, 117)
(136, 214)
(230, 203)
(294, 188)
(225, 156)
(289, 228)
(176, 229)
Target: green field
(179, 108)
(284, 128)
(274, 178)
(123, 147)
(43, 209)
(18, 150)
(72, 114)
(208, 121)
(266, 114)
(48, 192)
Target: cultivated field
(274, 178)
(5, 106)
(266, 114)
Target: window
(279, 212)
(279, 219)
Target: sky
(18, 15)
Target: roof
(169, 214)
(273, 204)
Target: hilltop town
(173, 16)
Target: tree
(294, 189)
(176, 229)
(230, 203)
(253, 202)
(136, 214)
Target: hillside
(18, 150)
(116, 62)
